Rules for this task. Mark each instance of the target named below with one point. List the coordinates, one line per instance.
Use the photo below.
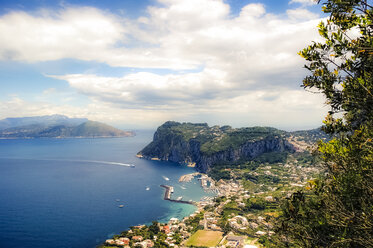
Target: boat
(166, 178)
(120, 206)
(179, 198)
(147, 188)
(117, 200)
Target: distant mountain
(47, 120)
(58, 126)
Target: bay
(66, 192)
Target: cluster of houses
(174, 225)
(125, 242)
(168, 229)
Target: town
(240, 215)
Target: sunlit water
(66, 192)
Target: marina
(169, 191)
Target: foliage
(218, 173)
(272, 157)
(337, 211)
(194, 222)
(236, 138)
(255, 204)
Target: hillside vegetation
(212, 148)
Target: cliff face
(248, 150)
(171, 143)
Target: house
(253, 225)
(118, 242)
(165, 229)
(260, 219)
(232, 244)
(126, 241)
(237, 240)
(110, 241)
(173, 221)
(260, 233)
(174, 228)
(148, 242)
(182, 226)
(137, 238)
(140, 244)
(269, 198)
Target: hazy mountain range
(57, 126)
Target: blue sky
(136, 64)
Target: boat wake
(102, 162)
(78, 160)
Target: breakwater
(169, 191)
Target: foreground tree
(337, 210)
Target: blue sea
(66, 192)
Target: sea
(66, 193)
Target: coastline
(170, 221)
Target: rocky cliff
(206, 146)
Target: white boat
(179, 198)
(166, 178)
(147, 188)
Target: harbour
(167, 196)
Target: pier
(169, 191)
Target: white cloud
(179, 35)
(304, 2)
(243, 62)
(48, 35)
(149, 90)
(301, 14)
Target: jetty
(169, 191)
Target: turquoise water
(66, 192)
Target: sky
(136, 64)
